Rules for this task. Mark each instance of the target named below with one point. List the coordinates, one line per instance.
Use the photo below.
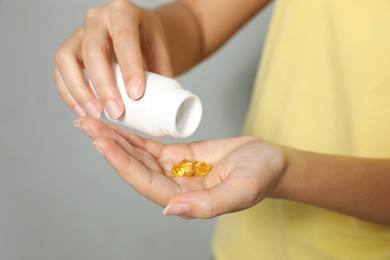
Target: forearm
(195, 29)
(353, 186)
(184, 36)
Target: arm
(245, 170)
(168, 40)
(204, 27)
(354, 186)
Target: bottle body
(165, 109)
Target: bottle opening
(188, 116)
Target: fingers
(150, 183)
(70, 77)
(220, 192)
(126, 44)
(154, 148)
(96, 128)
(66, 96)
(95, 51)
(118, 30)
(145, 164)
(131, 143)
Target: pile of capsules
(187, 168)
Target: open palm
(244, 170)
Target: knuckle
(116, 3)
(80, 94)
(212, 212)
(122, 35)
(121, 3)
(55, 75)
(93, 127)
(92, 13)
(91, 49)
(125, 6)
(209, 211)
(62, 54)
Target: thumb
(232, 195)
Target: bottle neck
(180, 113)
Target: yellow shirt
(323, 86)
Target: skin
(352, 186)
(245, 170)
(141, 39)
(146, 165)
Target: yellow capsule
(184, 161)
(177, 170)
(188, 168)
(201, 168)
(188, 173)
(186, 165)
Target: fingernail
(92, 110)
(79, 110)
(97, 146)
(176, 209)
(77, 122)
(79, 125)
(113, 108)
(134, 89)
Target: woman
(316, 185)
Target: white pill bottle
(166, 109)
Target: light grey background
(58, 197)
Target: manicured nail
(176, 209)
(92, 110)
(79, 110)
(113, 108)
(81, 127)
(76, 123)
(134, 89)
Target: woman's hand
(167, 40)
(244, 170)
(133, 35)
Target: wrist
(294, 166)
